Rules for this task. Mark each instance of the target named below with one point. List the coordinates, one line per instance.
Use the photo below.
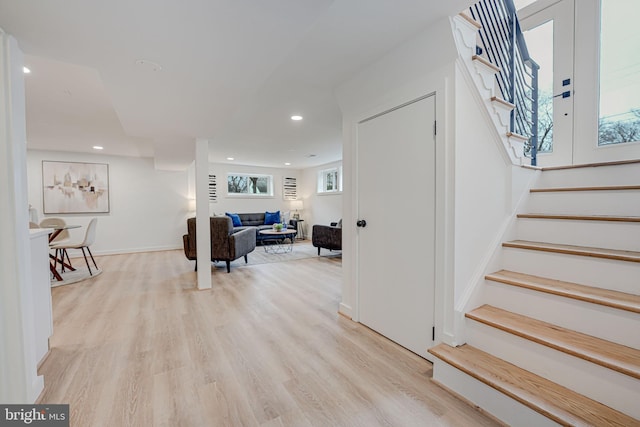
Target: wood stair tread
(612, 218)
(517, 136)
(597, 188)
(558, 403)
(605, 297)
(502, 102)
(486, 63)
(614, 254)
(592, 165)
(470, 20)
(617, 357)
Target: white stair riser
(600, 234)
(592, 319)
(489, 399)
(616, 390)
(621, 203)
(602, 273)
(592, 176)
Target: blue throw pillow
(272, 218)
(235, 218)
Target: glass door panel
(548, 31)
(619, 112)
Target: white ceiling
(233, 72)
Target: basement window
(330, 180)
(249, 185)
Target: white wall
(235, 204)
(148, 207)
(19, 380)
(421, 65)
(488, 191)
(319, 208)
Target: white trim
(345, 310)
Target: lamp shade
(297, 205)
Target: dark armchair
(327, 237)
(225, 244)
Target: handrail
(503, 44)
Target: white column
(203, 225)
(19, 381)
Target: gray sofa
(227, 244)
(256, 221)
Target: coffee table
(278, 244)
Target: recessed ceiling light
(230, 158)
(296, 118)
(98, 147)
(287, 164)
(26, 70)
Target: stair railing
(502, 43)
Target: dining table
(53, 261)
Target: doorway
(396, 244)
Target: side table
(300, 229)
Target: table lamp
(298, 206)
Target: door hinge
(433, 333)
(435, 128)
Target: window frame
(323, 181)
(248, 195)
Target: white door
(396, 198)
(549, 33)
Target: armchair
(327, 236)
(225, 244)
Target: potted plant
(277, 227)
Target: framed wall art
(74, 187)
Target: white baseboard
(345, 310)
(78, 254)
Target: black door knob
(361, 223)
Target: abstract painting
(73, 187)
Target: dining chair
(62, 237)
(89, 238)
(56, 222)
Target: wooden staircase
(556, 340)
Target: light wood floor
(139, 346)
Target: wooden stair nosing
(613, 254)
(611, 218)
(517, 136)
(486, 62)
(552, 400)
(591, 165)
(605, 297)
(614, 356)
(599, 188)
(503, 102)
(470, 20)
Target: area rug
(76, 276)
(301, 250)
